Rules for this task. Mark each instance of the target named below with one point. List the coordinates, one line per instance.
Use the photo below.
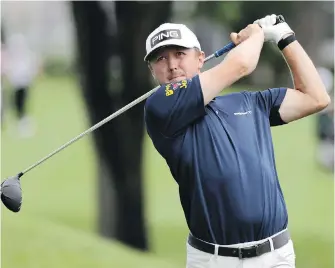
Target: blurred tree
(237, 15)
(118, 143)
(307, 19)
(312, 24)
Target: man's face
(173, 64)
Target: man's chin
(177, 79)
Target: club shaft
(104, 121)
(217, 54)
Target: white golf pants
(283, 257)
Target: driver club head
(11, 193)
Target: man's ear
(201, 59)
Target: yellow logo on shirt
(183, 84)
(168, 90)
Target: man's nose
(173, 63)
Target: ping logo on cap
(165, 35)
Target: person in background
(20, 68)
(2, 75)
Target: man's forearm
(239, 62)
(248, 52)
(305, 76)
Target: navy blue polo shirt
(221, 155)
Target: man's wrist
(260, 33)
(287, 35)
(286, 40)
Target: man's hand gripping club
(274, 32)
(244, 34)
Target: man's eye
(180, 53)
(159, 58)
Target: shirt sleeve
(175, 106)
(269, 101)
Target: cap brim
(172, 42)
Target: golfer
(219, 148)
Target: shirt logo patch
(175, 85)
(170, 88)
(243, 113)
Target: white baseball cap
(168, 34)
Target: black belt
(241, 253)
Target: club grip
(224, 50)
(279, 19)
(231, 45)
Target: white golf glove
(273, 32)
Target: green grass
(57, 224)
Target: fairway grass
(57, 224)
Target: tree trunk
(135, 21)
(119, 142)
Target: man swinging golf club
(219, 148)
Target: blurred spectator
(325, 124)
(20, 68)
(2, 101)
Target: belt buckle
(255, 248)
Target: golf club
(11, 192)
